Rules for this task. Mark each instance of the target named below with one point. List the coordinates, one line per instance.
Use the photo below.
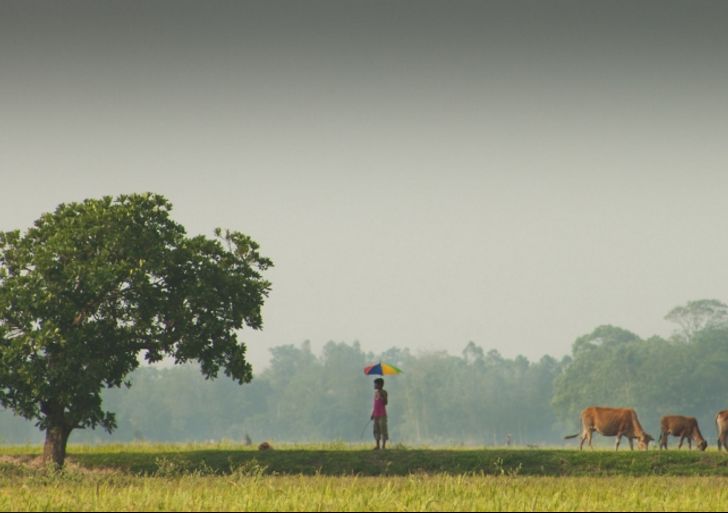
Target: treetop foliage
(93, 285)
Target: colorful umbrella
(382, 369)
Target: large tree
(697, 316)
(95, 287)
(602, 372)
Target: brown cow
(721, 422)
(684, 427)
(617, 422)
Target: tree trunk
(56, 441)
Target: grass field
(338, 478)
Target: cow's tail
(571, 437)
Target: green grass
(340, 460)
(334, 477)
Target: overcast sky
(422, 173)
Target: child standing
(379, 414)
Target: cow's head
(645, 440)
(703, 445)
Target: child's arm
(385, 396)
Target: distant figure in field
(684, 427)
(379, 414)
(248, 440)
(509, 440)
(265, 446)
(721, 422)
(617, 422)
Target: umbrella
(382, 369)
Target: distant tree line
(686, 374)
(478, 397)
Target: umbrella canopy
(382, 369)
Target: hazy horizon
(423, 174)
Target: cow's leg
(682, 439)
(690, 444)
(619, 440)
(591, 434)
(663, 439)
(720, 442)
(631, 444)
(584, 436)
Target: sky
(423, 174)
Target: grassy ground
(322, 493)
(338, 478)
(340, 460)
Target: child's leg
(377, 432)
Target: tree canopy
(697, 316)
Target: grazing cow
(617, 422)
(684, 427)
(721, 422)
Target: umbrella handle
(365, 429)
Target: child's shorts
(380, 429)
